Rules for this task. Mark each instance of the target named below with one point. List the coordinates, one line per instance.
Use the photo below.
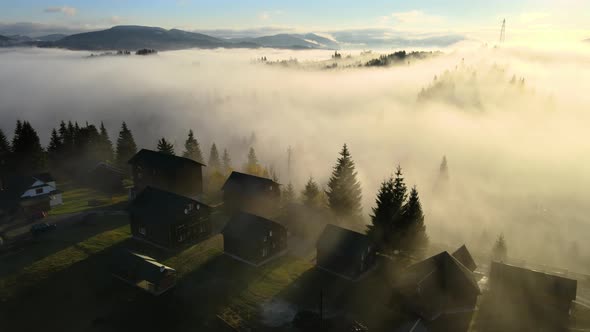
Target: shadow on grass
(48, 244)
(367, 300)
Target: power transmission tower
(503, 32)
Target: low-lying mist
(517, 157)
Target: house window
(264, 252)
(181, 233)
(265, 239)
(142, 230)
(39, 191)
(270, 233)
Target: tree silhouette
(226, 162)
(192, 149)
(311, 194)
(4, 154)
(126, 146)
(252, 166)
(165, 147)
(344, 191)
(500, 250)
(214, 161)
(26, 148)
(384, 216)
(413, 230)
(105, 145)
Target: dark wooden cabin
(464, 257)
(253, 239)
(527, 300)
(245, 192)
(344, 252)
(167, 219)
(106, 178)
(440, 291)
(142, 271)
(175, 174)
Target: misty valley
(249, 188)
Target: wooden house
(175, 174)
(253, 239)
(527, 300)
(142, 272)
(106, 178)
(167, 219)
(30, 194)
(464, 257)
(440, 291)
(245, 192)
(344, 252)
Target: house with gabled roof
(464, 256)
(255, 194)
(344, 252)
(142, 271)
(175, 174)
(30, 193)
(527, 300)
(167, 219)
(253, 239)
(441, 291)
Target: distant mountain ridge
(137, 37)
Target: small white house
(33, 188)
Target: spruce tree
(344, 191)
(500, 250)
(384, 216)
(252, 166)
(288, 195)
(214, 162)
(165, 146)
(29, 156)
(311, 194)
(126, 146)
(444, 169)
(412, 228)
(4, 154)
(192, 149)
(226, 162)
(105, 146)
(55, 143)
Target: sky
(541, 20)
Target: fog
(517, 158)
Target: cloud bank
(517, 164)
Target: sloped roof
(155, 205)
(246, 181)
(464, 256)
(45, 177)
(539, 284)
(108, 167)
(414, 325)
(428, 284)
(343, 241)
(143, 267)
(245, 224)
(162, 160)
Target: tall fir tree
(252, 165)
(288, 195)
(105, 146)
(311, 194)
(165, 147)
(28, 154)
(5, 152)
(214, 161)
(126, 146)
(192, 149)
(384, 216)
(226, 162)
(344, 191)
(500, 249)
(413, 230)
